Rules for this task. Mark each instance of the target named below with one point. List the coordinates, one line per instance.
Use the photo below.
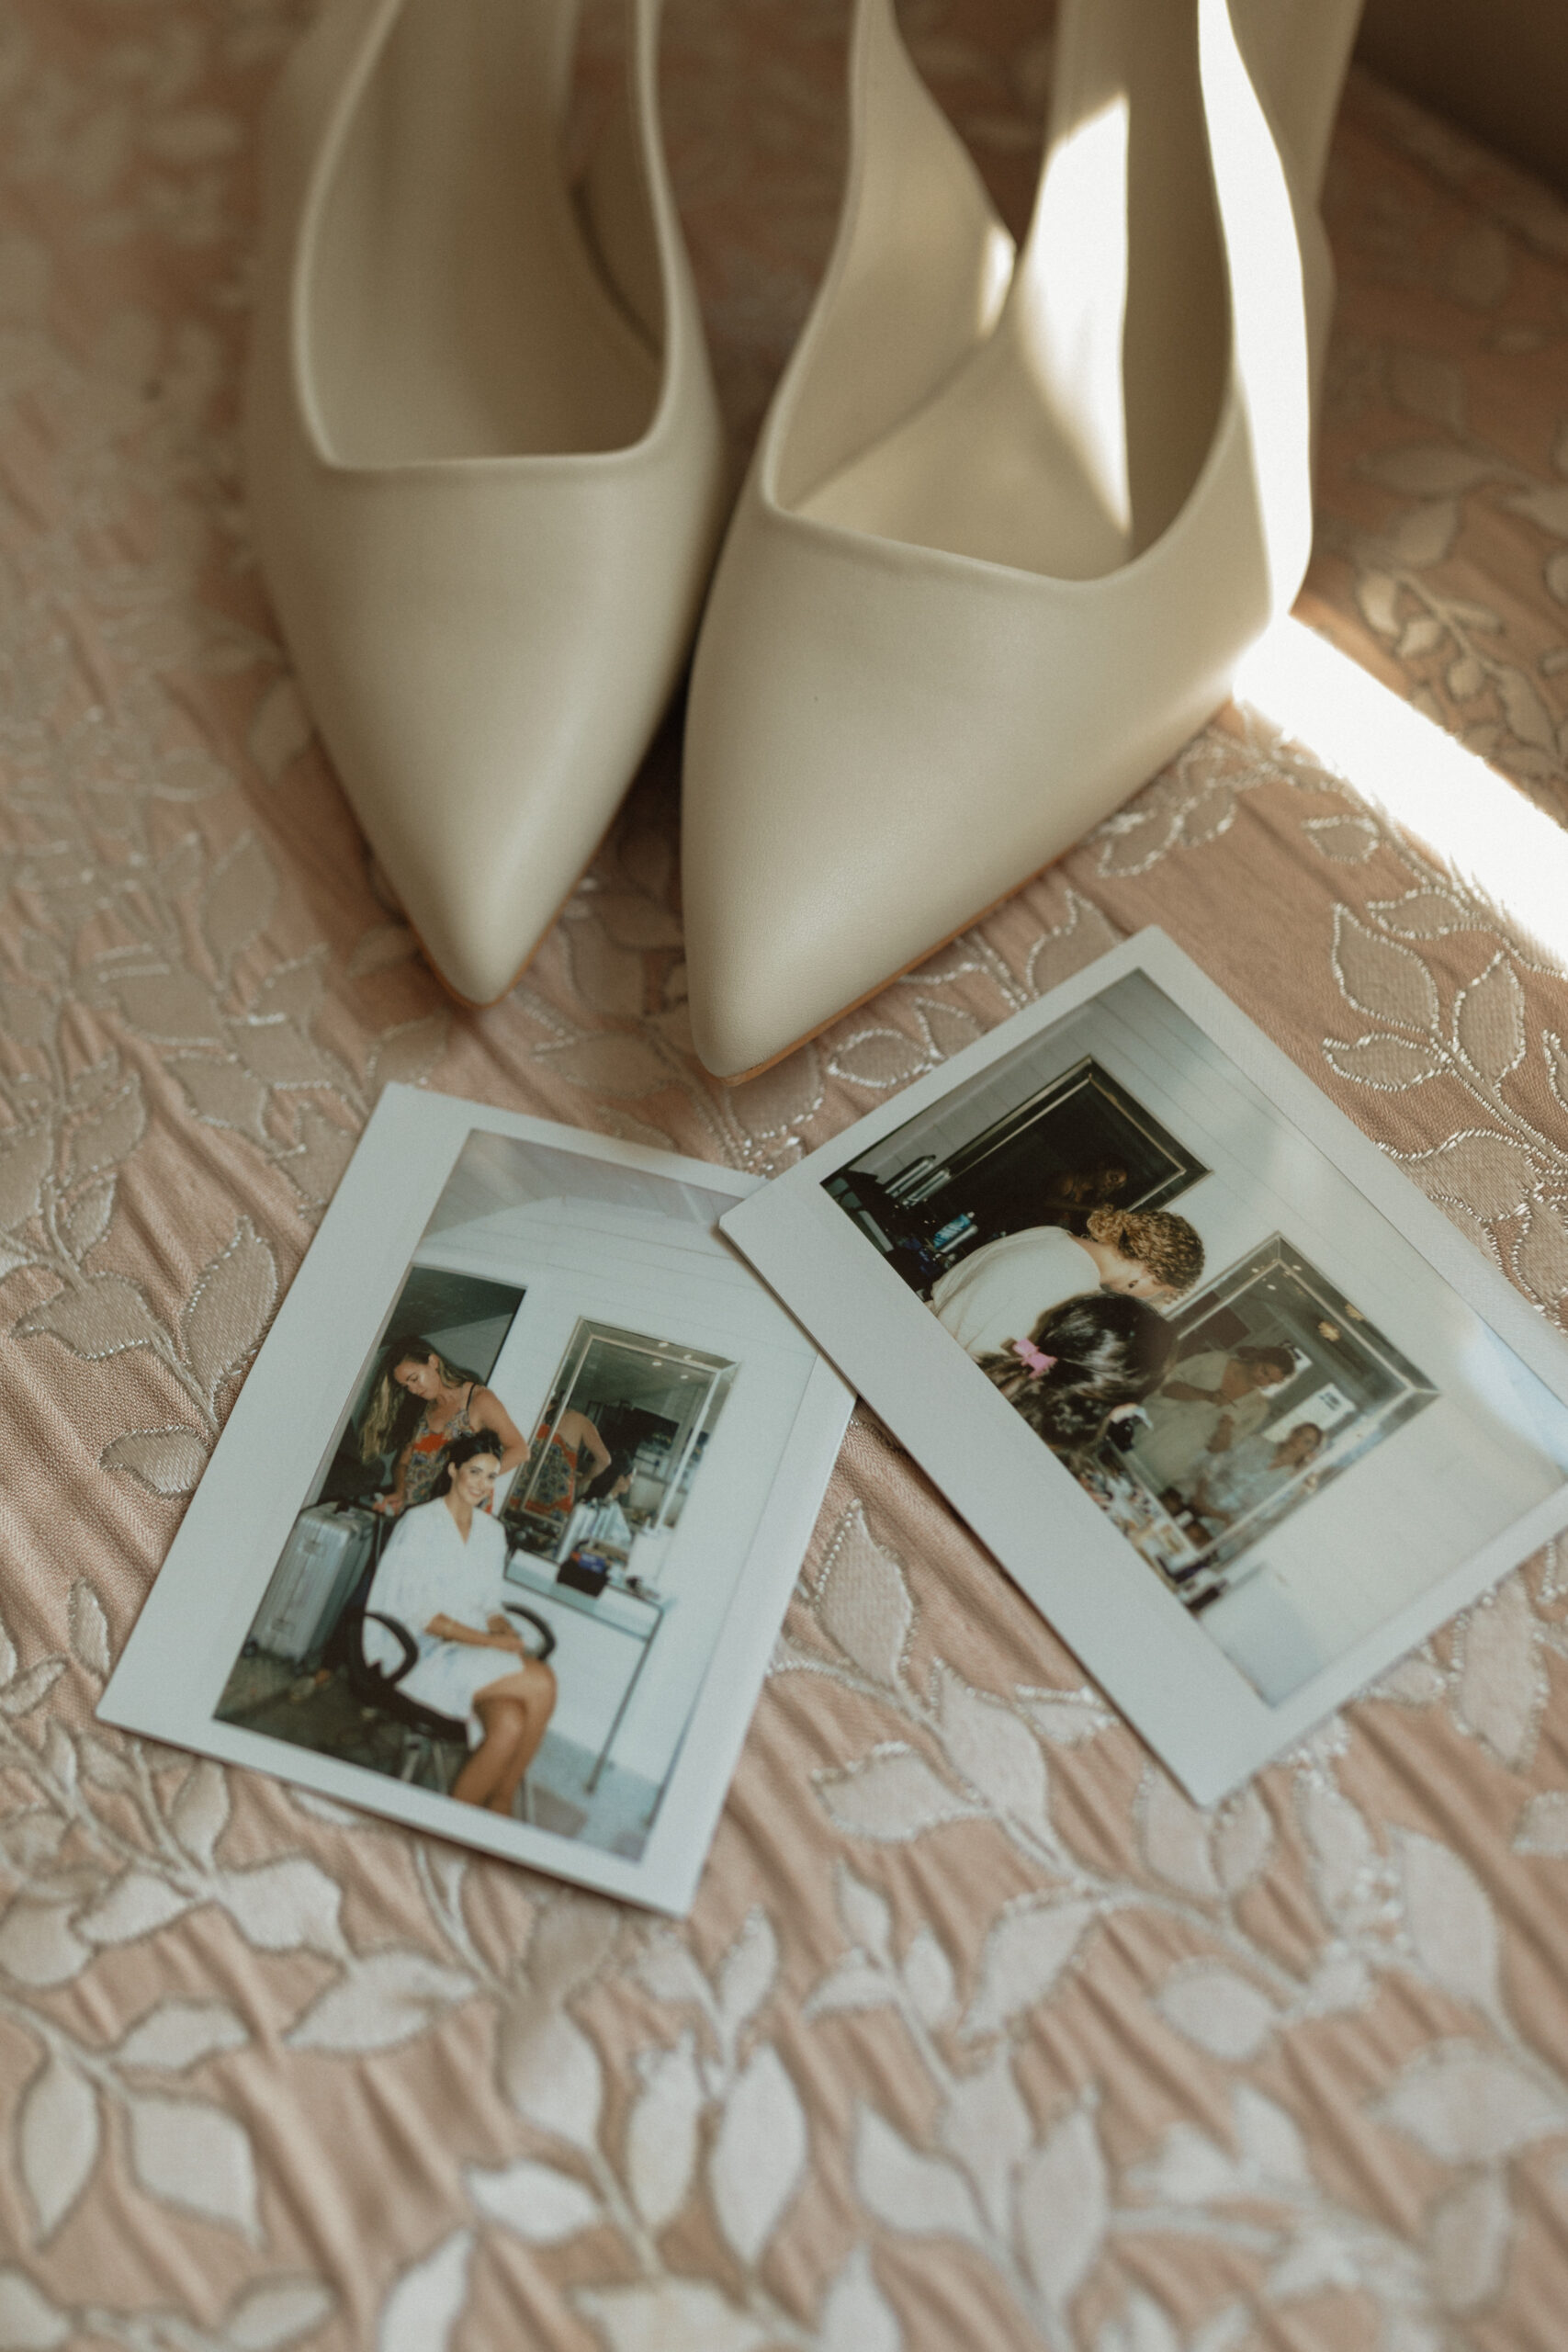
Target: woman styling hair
(1164, 1244)
(421, 1404)
(988, 1297)
(1082, 1362)
(443, 1576)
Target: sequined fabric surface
(979, 2033)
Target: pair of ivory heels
(1013, 519)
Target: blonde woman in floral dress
(454, 1405)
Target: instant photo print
(500, 1530)
(1231, 1400)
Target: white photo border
(173, 1670)
(1157, 1663)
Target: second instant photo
(1123, 1240)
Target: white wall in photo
(665, 1279)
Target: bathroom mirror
(613, 1458)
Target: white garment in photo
(1176, 1445)
(999, 1293)
(595, 1524)
(429, 1571)
(1237, 1480)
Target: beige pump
(1014, 517)
(484, 455)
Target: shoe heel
(1297, 52)
(998, 558)
(917, 273)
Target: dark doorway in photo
(928, 1197)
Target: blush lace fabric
(979, 2032)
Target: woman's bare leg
(504, 1725)
(538, 1704)
(518, 1733)
(514, 1710)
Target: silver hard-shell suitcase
(328, 1546)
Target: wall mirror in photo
(1097, 1244)
(496, 1539)
(1278, 1385)
(612, 1462)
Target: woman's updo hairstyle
(465, 1449)
(1107, 1349)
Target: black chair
(429, 1732)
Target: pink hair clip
(1033, 1360)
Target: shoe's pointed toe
(470, 927)
(482, 816)
(753, 914)
(882, 743)
(807, 870)
(455, 640)
(483, 453)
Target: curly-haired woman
(991, 1295)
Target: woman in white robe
(443, 1577)
(598, 1519)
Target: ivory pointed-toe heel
(484, 456)
(1014, 517)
